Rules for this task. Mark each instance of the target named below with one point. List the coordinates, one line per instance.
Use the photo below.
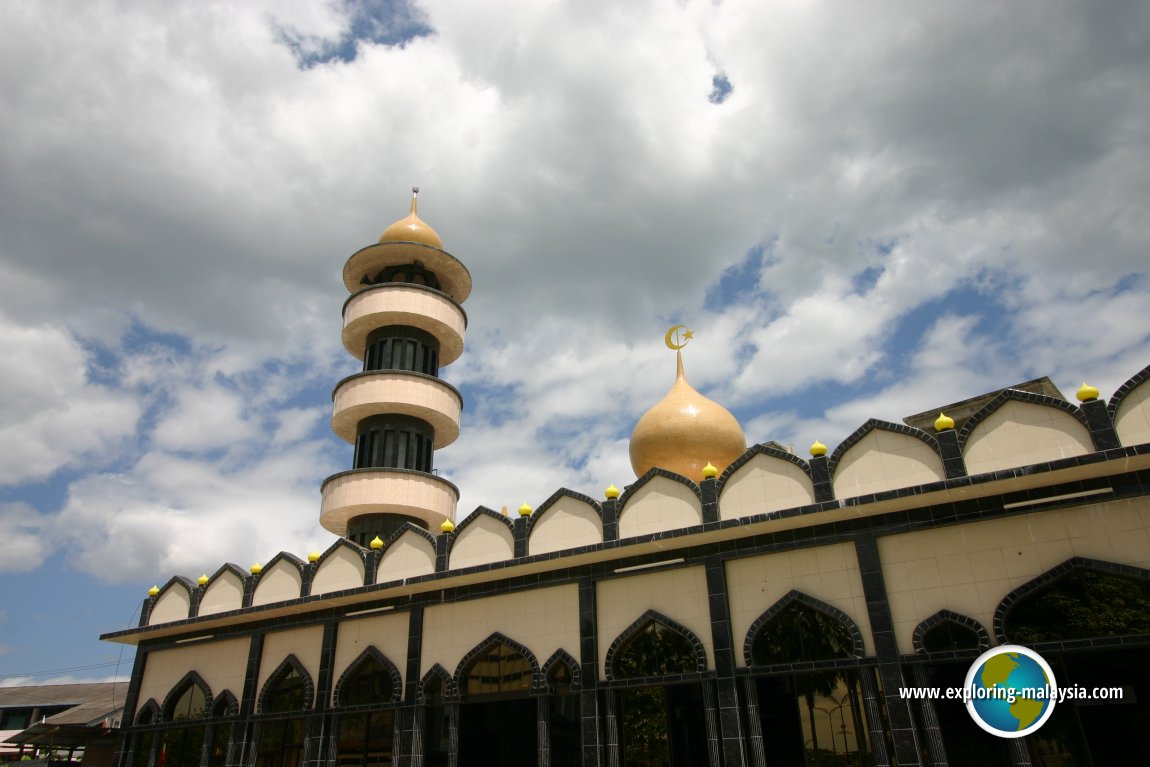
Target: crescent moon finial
(678, 337)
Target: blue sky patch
(377, 22)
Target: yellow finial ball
(818, 448)
(153, 591)
(1087, 393)
(525, 510)
(611, 492)
(376, 544)
(943, 422)
(709, 471)
(256, 569)
(447, 526)
(202, 580)
(313, 556)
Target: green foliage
(655, 650)
(645, 739)
(1082, 604)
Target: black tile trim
(537, 686)
(150, 711)
(1126, 485)
(562, 657)
(875, 424)
(1126, 389)
(638, 484)
(557, 496)
(1020, 396)
(450, 689)
(747, 457)
(949, 616)
(1002, 612)
(343, 543)
(190, 678)
(787, 599)
(640, 623)
(283, 669)
(372, 654)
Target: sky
(862, 211)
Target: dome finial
(684, 430)
(412, 228)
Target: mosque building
(732, 606)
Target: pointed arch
(149, 713)
(173, 602)
(224, 590)
(1129, 409)
(659, 501)
(763, 480)
(558, 660)
(345, 692)
(1133, 612)
(485, 648)
(437, 677)
(342, 566)
(566, 520)
(225, 704)
(941, 619)
(1019, 428)
(288, 688)
(408, 552)
(654, 626)
(192, 694)
(795, 598)
(280, 579)
(483, 538)
(880, 456)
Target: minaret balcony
(398, 303)
(385, 392)
(365, 264)
(417, 494)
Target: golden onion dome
(412, 228)
(685, 431)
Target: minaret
(405, 320)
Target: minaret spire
(404, 319)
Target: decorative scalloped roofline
(1007, 395)
(1126, 389)
(877, 424)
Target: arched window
(799, 632)
(369, 681)
(498, 669)
(950, 635)
(288, 691)
(367, 737)
(144, 741)
(186, 706)
(224, 706)
(190, 703)
(655, 650)
(821, 710)
(563, 712)
(1084, 603)
(436, 719)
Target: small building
(61, 724)
(732, 606)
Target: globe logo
(1010, 691)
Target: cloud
(910, 206)
(25, 547)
